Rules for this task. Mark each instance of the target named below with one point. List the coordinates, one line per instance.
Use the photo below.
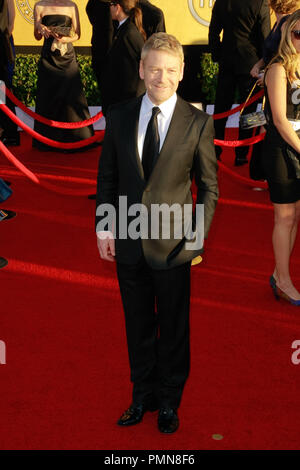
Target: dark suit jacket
(188, 151)
(120, 78)
(245, 25)
(153, 18)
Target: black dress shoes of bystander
(3, 262)
(7, 214)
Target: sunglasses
(296, 33)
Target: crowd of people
(156, 143)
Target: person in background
(11, 22)
(282, 10)
(245, 25)
(8, 129)
(60, 95)
(281, 152)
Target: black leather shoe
(240, 161)
(168, 421)
(10, 214)
(92, 196)
(135, 413)
(3, 262)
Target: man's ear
(141, 70)
(181, 71)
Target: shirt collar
(122, 22)
(166, 108)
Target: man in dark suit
(154, 145)
(245, 25)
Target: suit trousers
(156, 305)
(229, 83)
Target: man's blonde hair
(163, 42)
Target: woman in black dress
(120, 78)
(282, 152)
(60, 94)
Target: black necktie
(151, 144)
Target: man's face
(114, 10)
(162, 73)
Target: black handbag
(60, 30)
(250, 120)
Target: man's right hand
(254, 72)
(106, 245)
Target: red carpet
(66, 377)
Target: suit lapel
(181, 119)
(132, 130)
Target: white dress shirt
(123, 21)
(163, 119)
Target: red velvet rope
(45, 140)
(238, 108)
(50, 122)
(51, 187)
(240, 143)
(36, 180)
(18, 164)
(83, 143)
(85, 192)
(243, 179)
(77, 125)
